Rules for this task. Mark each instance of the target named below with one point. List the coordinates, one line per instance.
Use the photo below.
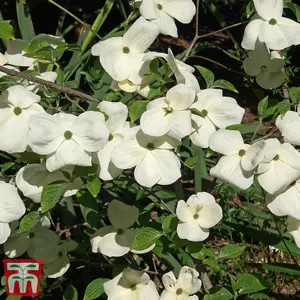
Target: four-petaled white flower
(170, 114)
(122, 57)
(266, 67)
(196, 216)
(163, 13)
(131, 284)
(268, 26)
(239, 161)
(67, 139)
(152, 157)
(17, 105)
(187, 284)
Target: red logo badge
(23, 276)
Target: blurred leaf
(95, 289)
(250, 9)
(6, 166)
(211, 261)
(248, 284)
(94, 186)
(283, 108)
(137, 109)
(218, 293)
(70, 293)
(29, 221)
(224, 84)
(170, 223)
(231, 251)
(6, 30)
(294, 8)
(259, 296)
(24, 21)
(144, 238)
(247, 128)
(52, 194)
(295, 94)
(281, 268)
(208, 75)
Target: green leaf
(192, 161)
(144, 238)
(259, 296)
(250, 9)
(262, 106)
(36, 46)
(208, 75)
(52, 194)
(218, 293)
(94, 186)
(6, 31)
(95, 289)
(231, 251)
(248, 284)
(137, 109)
(70, 293)
(24, 21)
(295, 94)
(295, 9)
(29, 221)
(6, 166)
(281, 268)
(224, 84)
(247, 128)
(170, 223)
(283, 107)
(211, 261)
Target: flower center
(195, 216)
(68, 135)
(120, 231)
(133, 288)
(242, 152)
(273, 22)
(276, 157)
(204, 113)
(17, 110)
(126, 50)
(159, 6)
(150, 146)
(31, 235)
(110, 137)
(263, 68)
(179, 291)
(168, 110)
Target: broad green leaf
(94, 186)
(295, 94)
(170, 223)
(6, 30)
(224, 84)
(250, 9)
(211, 261)
(218, 293)
(144, 238)
(203, 253)
(29, 221)
(192, 161)
(247, 128)
(194, 247)
(283, 107)
(24, 21)
(262, 106)
(137, 109)
(259, 296)
(51, 194)
(95, 289)
(6, 166)
(70, 293)
(231, 251)
(248, 284)
(36, 46)
(208, 75)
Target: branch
(50, 84)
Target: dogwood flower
(182, 71)
(268, 26)
(187, 284)
(170, 114)
(239, 160)
(67, 139)
(152, 157)
(122, 57)
(17, 105)
(3, 62)
(163, 13)
(196, 216)
(293, 227)
(280, 166)
(266, 67)
(115, 240)
(32, 178)
(11, 209)
(286, 202)
(216, 111)
(289, 126)
(131, 284)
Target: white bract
(11, 209)
(17, 105)
(238, 164)
(289, 126)
(152, 157)
(268, 26)
(182, 288)
(67, 139)
(122, 57)
(280, 166)
(293, 227)
(216, 111)
(131, 284)
(115, 240)
(163, 13)
(170, 114)
(266, 67)
(196, 216)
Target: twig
(50, 84)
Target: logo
(23, 276)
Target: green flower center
(204, 113)
(17, 110)
(273, 22)
(150, 146)
(242, 152)
(263, 68)
(31, 235)
(120, 231)
(133, 288)
(195, 216)
(68, 135)
(276, 157)
(179, 291)
(159, 6)
(126, 50)
(110, 137)
(168, 110)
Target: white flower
(67, 139)
(289, 126)
(122, 57)
(32, 178)
(266, 67)
(131, 284)
(117, 113)
(11, 209)
(196, 216)
(3, 61)
(279, 168)
(115, 240)
(153, 159)
(17, 105)
(268, 26)
(293, 227)
(187, 284)
(216, 111)
(287, 202)
(170, 114)
(163, 12)
(239, 160)
(142, 89)
(35, 87)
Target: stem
(50, 84)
